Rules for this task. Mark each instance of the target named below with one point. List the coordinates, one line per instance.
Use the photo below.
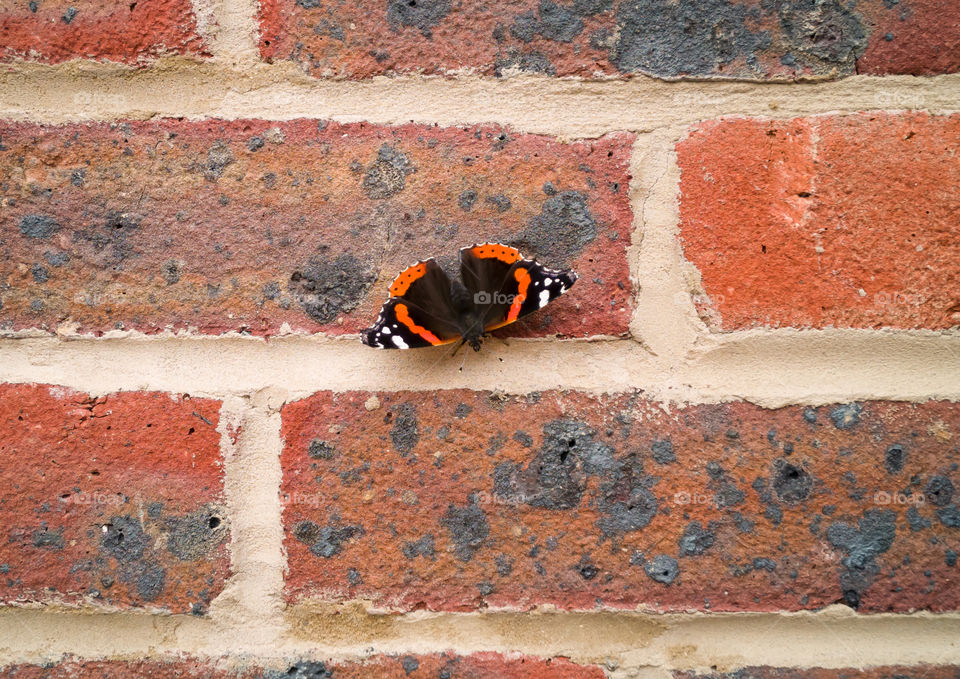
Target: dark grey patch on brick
(422, 14)
(50, 539)
(528, 62)
(586, 568)
(939, 490)
(56, 259)
(916, 520)
(405, 432)
(149, 579)
(256, 143)
(894, 458)
(874, 535)
(500, 201)
(387, 175)
(466, 200)
(468, 527)
(688, 37)
(195, 535)
(172, 270)
(949, 516)
(662, 450)
(305, 669)
(503, 564)
(124, 539)
(112, 238)
(40, 273)
(823, 30)
(463, 410)
(791, 483)
(409, 664)
(424, 547)
(524, 27)
(320, 450)
(38, 226)
(846, 416)
(557, 22)
(564, 227)
(325, 541)
(218, 158)
(662, 568)
(325, 289)
(523, 438)
(696, 539)
(69, 15)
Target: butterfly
(499, 286)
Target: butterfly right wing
(419, 312)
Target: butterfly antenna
(456, 347)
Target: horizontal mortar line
(82, 90)
(771, 368)
(834, 637)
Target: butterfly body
(427, 308)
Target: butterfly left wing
(419, 312)
(529, 286)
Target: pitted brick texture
(444, 666)
(458, 500)
(842, 221)
(104, 30)
(248, 225)
(113, 501)
(750, 40)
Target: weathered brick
(59, 30)
(476, 666)
(247, 225)
(914, 38)
(597, 38)
(846, 221)
(887, 672)
(111, 501)
(457, 500)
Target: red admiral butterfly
(499, 286)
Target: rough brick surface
(595, 38)
(846, 221)
(105, 30)
(458, 500)
(477, 666)
(247, 225)
(110, 501)
(887, 672)
(915, 38)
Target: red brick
(845, 221)
(477, 666)
(112, 501)
(59, 30)
(226, 226)
(921, 37)
(749, 40)
(887, 672)
(458, 500)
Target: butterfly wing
(485, 267)
(529, 286)
(419, 313)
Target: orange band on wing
(406, 278)
(504, 253)
(403, 315)
(523, 278)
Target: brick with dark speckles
(444, 666)
(582, 511)
(113, 501)
(249, 225)
(741, 39)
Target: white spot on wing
(398, 341)
(386, 330)
(544, 298)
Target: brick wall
(731, 450)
